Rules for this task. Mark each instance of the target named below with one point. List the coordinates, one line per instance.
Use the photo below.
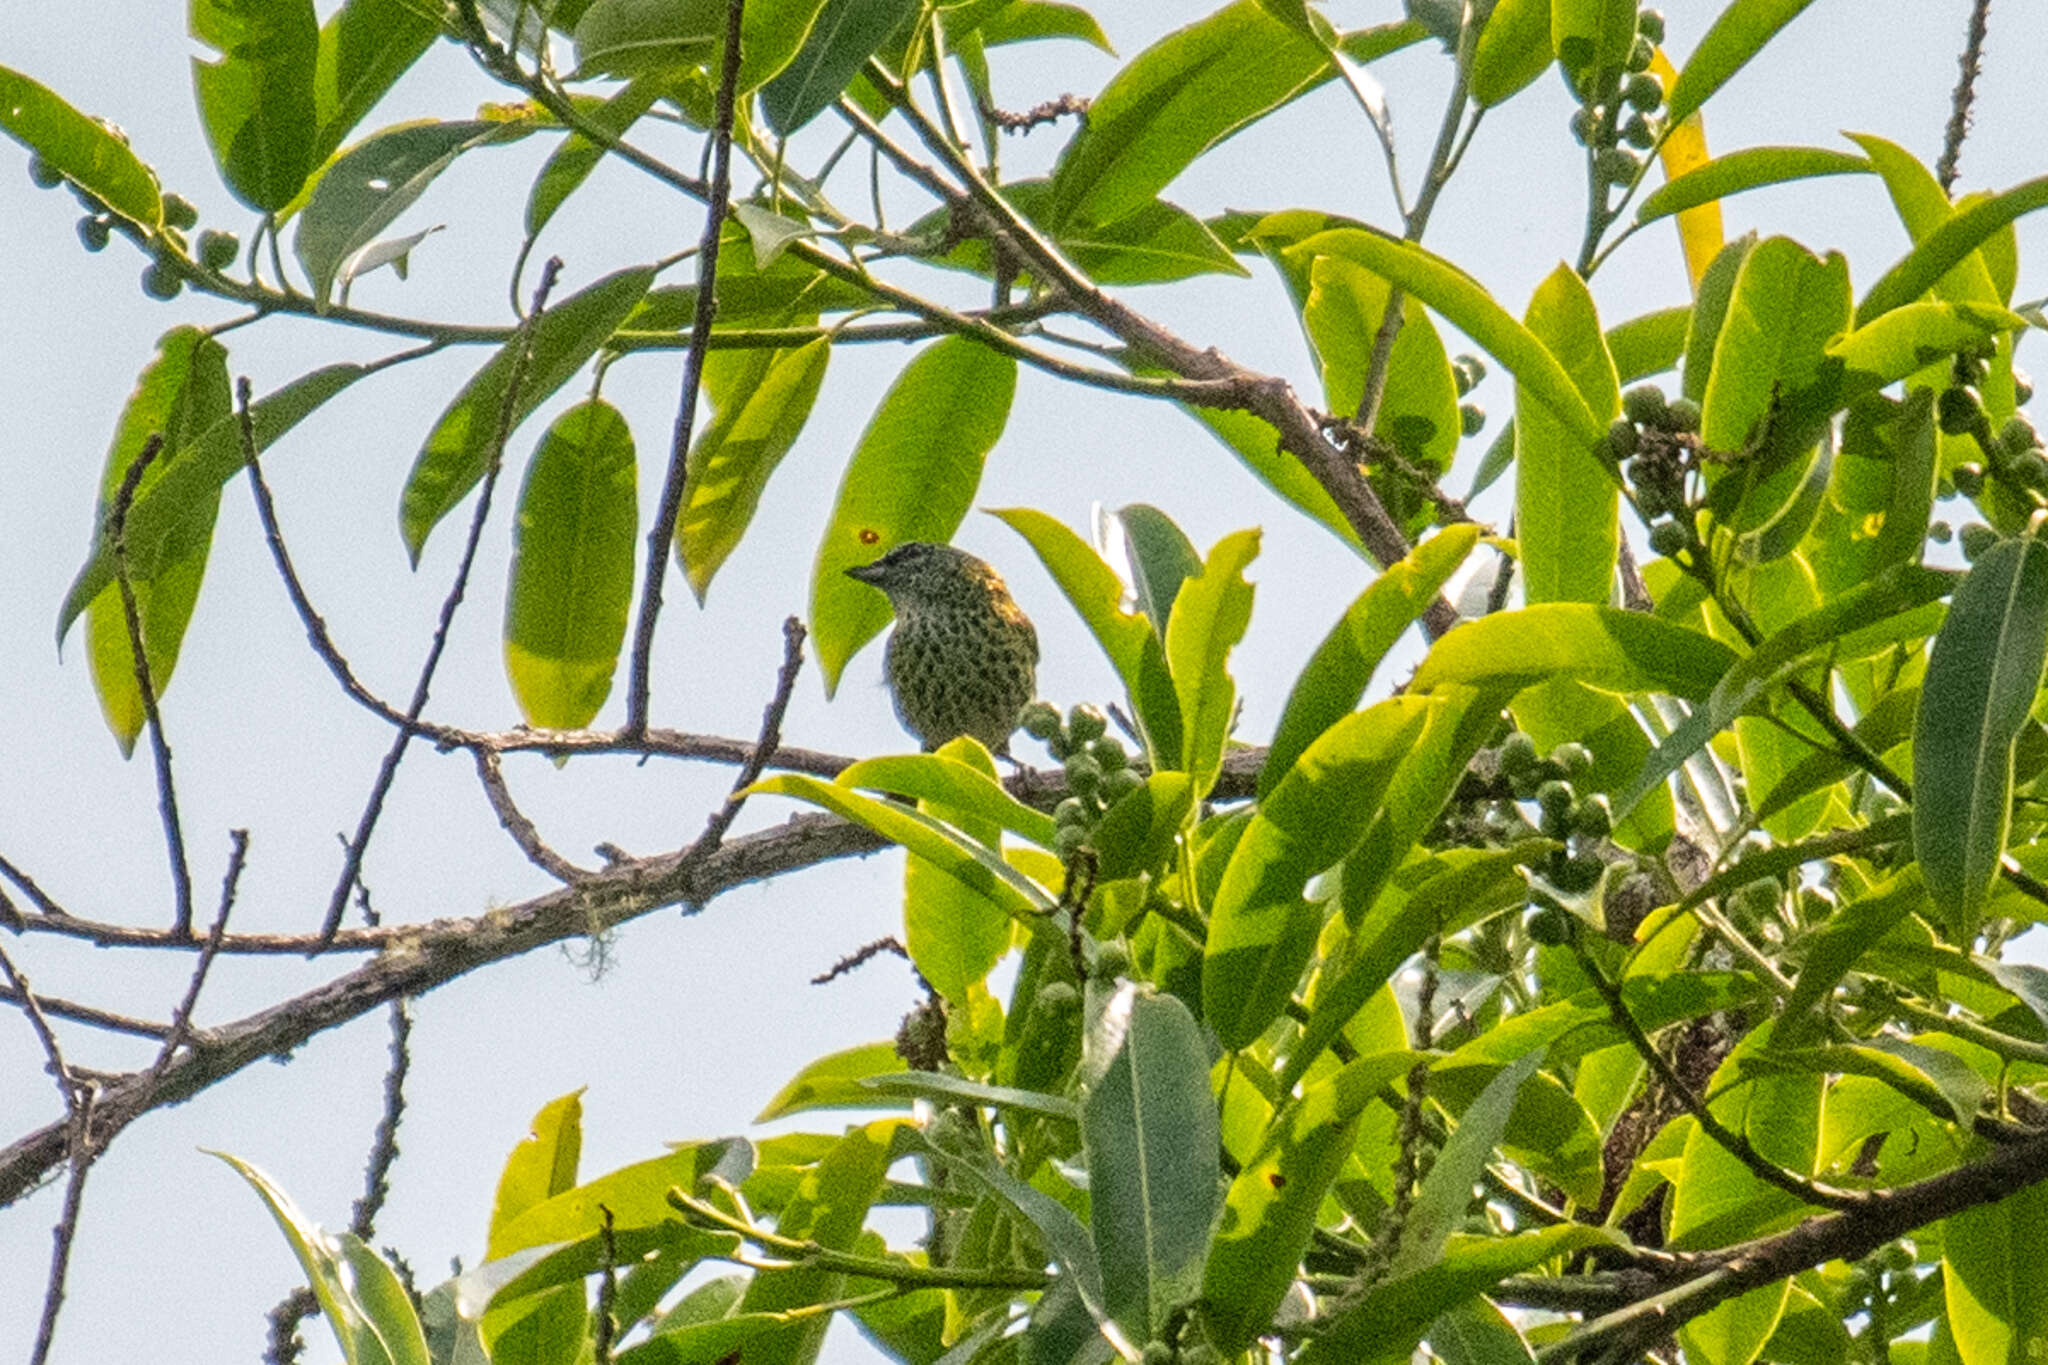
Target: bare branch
(764, 747)
(492, 775)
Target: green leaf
(81, 148)
(1709, 311)
(1749, 169)
(838, 1080)
(1923, 206)
(1939, 1082)
(1446, 1192)
(1650, 344)
(979, 868)
(572, 162)
(1149, 1129)
(941, 1088)
(1512, 51)
(1478, 1333)
(1739, 34)
(1177, 99)
(1906, 340)
(1995, 1280)
(1022, 21)
(257, 101)
(361, 1296)
(1947, 246)
(572, 567)
(1981, 679)
(1387, 1322)
(1133, 647)
(954, 932)
(1270, 1212)
(1261, 933)
(1336, 676)
(463, 441)
(365, 46)
(846, 34)
(372, 183)
(1161, 558)
(1257, 446)
(948, 782)
(1840, 941)
(1885, 475)
(761, 400)
(1069, 1243)
(1566, 502)
(830, 1207)
(540, 1167)
(1612, 650)
(1137, 833)
(911, 478)
(1716, 1199)
(1210, 616)
(1464, 302)
(172, 518)
(635, 37)
(180, 395)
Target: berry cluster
(1656, 443)
(1099, 772)
(165, 275)
(1578, 823)
(1467, 371)
(1617, 119)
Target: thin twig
(661, 536)
(181, 1018)
(1965, 96)
(40, 898)
(764, 747)
(491, 774)
(78, 1104)
(352, 862)
(145, 686)
(384, 1142)
(88, 1015)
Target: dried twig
(764, 747)
(491, 774)
(1965, 96)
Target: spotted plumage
(963, 658)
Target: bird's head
(920, 574)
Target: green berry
(1643, 91)
(1642, 53)
(1637, 132)
(2018, 436)
(1941, 533)
(1644, 405)
(1471, 418)
(1517, 753)
(1959, 410)
(1583, 127)
(179, 211)
(1056, 745)
(95, 233)
(1669, 538)
(1068, 841)
(1976, 539)
(1072, 811)
(1969, 479)
(1040, 719)
(1576, 876)
(45, 176)
(1555, 799)
(2022, 385)
(1622, 439)
(161, 282)
(219, 249)
(1616, 165)
(1652, 502)
(1110, 754)
(1086, 722)
(1550, 926)
(2029, 470)
(1084, 775)
(1650, 23)
(1468, 371)
(1682, 416)
(1119, 784)
(1112, 959)
(1594, 818)
(1573, 757)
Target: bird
(963, 657)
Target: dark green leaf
(846, 34)
(573, 161)
(1161, 559)
(1512, 51)
(1137, 833)
(1446, 1192)
(1739, 34)
(1210, 616)
(1996, 1280)
(365, 46)
(81, 148)
(1751, 168)
(838, 1080)
(1612, 650)
(257, 101)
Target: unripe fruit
(1969, 479)
(1941, 533)
(1112, 959)
(1119, 784)
(1642, 53)
(1644, 405)
(1637, 132)
(161, 282)
(1084, 774)
(1041, 719)
(1068, 841)
(45, 176)
(1650, 23)
(1573, 757)
(1643, 91)
(2017, 435)
(1583, 127)
(1977, 538)
(1682, 416)
(1471, 418)
(1468, 370)
(1959, 410)
(1072, 811)
(1616, 165)
(1550, 926)
(1593, 819)
(1110, 754)
(94, 233)
(1622, 439)
(1056, 745)
(1086, 722)
(179, 211)
(1577, 876)
(2029, 470)
(1669, 538)
(1554, 799)
(2022, 385)
(1517, 753)
(219, 249)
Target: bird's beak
(866, 573)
